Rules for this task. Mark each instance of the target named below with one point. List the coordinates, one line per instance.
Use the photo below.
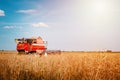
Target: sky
(83, 25)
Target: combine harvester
(33, 45)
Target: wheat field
(67, 66)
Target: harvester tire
(21, 52)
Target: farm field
(67, 66)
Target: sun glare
(100, 7)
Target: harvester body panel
(23, 46)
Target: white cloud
(41, 24)
(28, 11)
(9, 27)
(12, 27)
(2, 13)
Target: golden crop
(67, 66)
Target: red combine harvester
(31, 45)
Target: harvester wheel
(21, 52)
(40, 52)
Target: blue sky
(66, 24)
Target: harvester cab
(31, 45)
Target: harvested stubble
(68, 66)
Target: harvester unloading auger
(31, 45)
